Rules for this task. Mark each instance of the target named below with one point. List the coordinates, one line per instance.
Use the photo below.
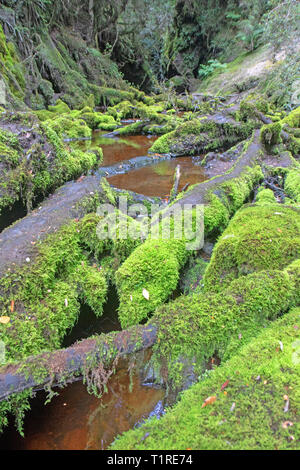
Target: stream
(75, 419)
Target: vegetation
(214, 79)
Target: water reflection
(157, 180)
(117, 149)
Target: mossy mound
(203, 325)
(154, 266)
(258, 237)
(201, 135)
(255, 401)
(292, 184)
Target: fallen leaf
(281, 345)
(12, 306)
(286, 424)
(146, 294)
(66, 302)
(4, 320)
(209, 401)
(232, 407)
(224, 385)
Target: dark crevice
(89, 324)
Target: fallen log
(65, 365)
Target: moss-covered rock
(292, 184)
(270, 134)
(201, 135)
(255, 404)
(258, 237)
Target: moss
(292, 184)
(46, 293)
(270, 134)
(249, 414)
(201, 135)
(108, 191)
(265, 196)
(11, 69)
(226, 198)
(92, 286)
(191, 278)
(96, 120)
(153, 266)
(111, 96)
(68, 127)
(59, 108)
(258, 237)
(293, 119)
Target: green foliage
(212, 65)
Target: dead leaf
(66, 302)
(12, 306)
(224, 385)
(281, 345)
(286, 424)
(146, 294)
(209, 401)
(4, 320)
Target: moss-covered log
(63, 366)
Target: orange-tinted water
(75, 420)
(157, 180)
(118, 149)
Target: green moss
(249, 414)
(270, 134)
(59, 108)
(11, 69)
(153, 266)
(257, 238)
(265, 196)
(201, 135)
(292, 184)
(108, 191)
(293, 119)
(68, 127)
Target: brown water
(75, 420)
(157, 180)
(118, 149)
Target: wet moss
(270, 134)
(258, 237)
(249, 413)
(292, 184)
(201, 135)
